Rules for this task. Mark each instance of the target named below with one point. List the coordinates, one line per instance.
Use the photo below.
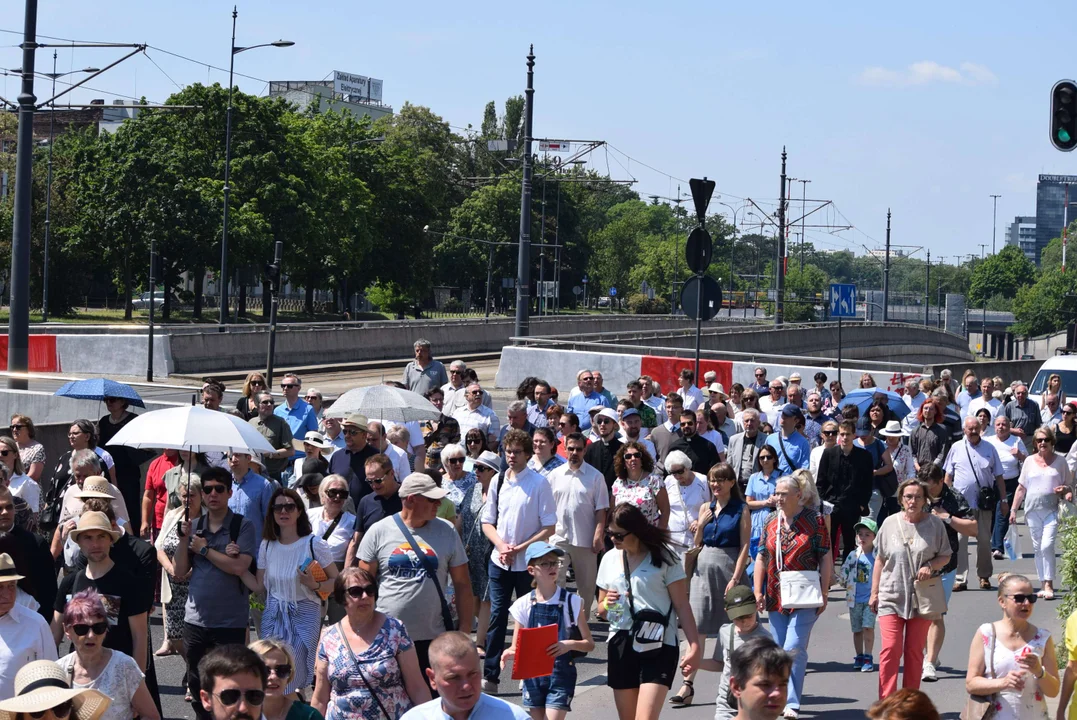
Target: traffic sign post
(842, 305)
(698, 251)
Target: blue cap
(539, 549)
(864, 427)
(791, 410)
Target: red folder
(531, 660)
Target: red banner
(667, 370)
(42, 353)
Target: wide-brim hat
(8, 573)
(718, 390)
(95, 486)
(314, 439)
(42, 685)
(94, 520)
(892, 429)
(356, 420)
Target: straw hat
(42, 685)
(8, 573)
(95, 486)
(94, 520)
(314, 439)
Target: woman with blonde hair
(809, 495)
(248, 403)
(1054, 387)
(280, 669)
(21, 484)
(31, 452)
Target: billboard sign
(359, 87)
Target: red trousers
(901, 638)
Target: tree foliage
(1001, 274)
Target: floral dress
(349, 692)
(1027, 704)
(174, 608)
(642, 493)
(456, 489)
(475, 542)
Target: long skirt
(174, 610)
(714, 568)
(300, 626)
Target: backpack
(233, 536)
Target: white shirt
(578, 495)
(25, 487)
(813, 461)
(913, 402)
(24, 637)
(684, 503)
(1011, 468)
(482, 418)
(693, 397)
(659, 406)
(715, 438)
(992, 405)
(399, 458)
(525, 506)
(340, 537)
(487, 708)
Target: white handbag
(799, 588)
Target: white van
(1065, 366)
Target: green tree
(1047, 305)
(1001, 274)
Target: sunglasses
(336, 494)
(1064, 412)
(232, 695)
(60, 711)
(772, 458)
(573, 449)
(1038, 441)
(456, 461)
(350, 433)
(617, 536)
(632, 456)
(4, 453)
(99, 628)
(1021, 598)
(287, 386)
(258, 382)
(374, 480)
(265, 402)
(281, 671)
(285, 507)
(474, 440)
(16, 428)
(829, 432)
(214, 489)
(358, 591)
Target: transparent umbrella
(384, 402)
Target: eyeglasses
(336, 494)
(281, 671)
(1021, 598)
(350, 432)
(285, 507)
(99, 628)
(62, 710)
(617, 536)
(358, 591)
(828, 433)
(549, 564)
(916, 496)
(456, 461)
(1038, 441)
(374, 480)
(214, 489)
(265, 402)
(232, 695)
(288, 386)
(632, 456)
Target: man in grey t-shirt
(405, 591)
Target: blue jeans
(792, 632)
(1002, 521)
(502, 585)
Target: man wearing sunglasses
(351, 461)
(24, 634)
(233, 684)
(601, 451)
(584, 398)
(297, 412)
(276, 431)
(477, 415)
(377, 439)
(382, 503)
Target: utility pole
(803, 218)
(994, 220)
(153, 293)
(927, 289)
(983, 321)
(886, 272)
(523, 270)
(542, 247)
(779, 289)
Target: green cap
(867, 523)
(739, 602)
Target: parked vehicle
(1065, 366)
(142, 302)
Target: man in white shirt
(24, 634)
(477, 415)
(985, 399)
(582, 500)
(454, 392)
(692, 396)
(913, 397)
(375, 433)
(774, 401)
(1049, 415)
(519, 511)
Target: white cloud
(928, 71)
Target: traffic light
(273, 275)
(1064, 115)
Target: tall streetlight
(48, 183)
(732, 243)
(994, 220)
(236, 50)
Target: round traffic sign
(613, 292)
(698, 250)
(712, 297)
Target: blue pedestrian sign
(842, 300)
(613, 292)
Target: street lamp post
(228, 158)
(732, 244)
(48, 183)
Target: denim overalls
(553, 691)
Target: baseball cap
(629, 412)
(739, 602)
(791, 410)
(421, 484)
(608, 413)
(867, 523)
(539, 549)
(864, 427)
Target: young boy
(740, 606)
(759, 679)
(857, 570)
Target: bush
(453, 305)
(640, 304)
(388, 297)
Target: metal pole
(153, 287)
(489, 274)
(983, 321)
(542, 249)
(994, 220)
(927, 290)
(278, 253)
(557, 252)
(227, 174)
(699, 320)
(886, 272)
(803, 218)
(523, 270)
(779, 285)
(48, 202)
(18, 332)
(839, 354)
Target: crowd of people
(370, 569)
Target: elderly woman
(911, 548)
(247, 405)
(1011, 661)
(456, 481)
(315, 400)
(21, 484)
(336, 526)
(174, 589)
(82, 435)
(904, 468)
(84, 465)
(545, 460)
(280, 669)
(93, 666)
(749, 399)
(866, 380)
(828, 434)
(367, 666)
(794, 538)
(1045, 477)
(470, 500)
(637, 486)
(687, 492)
(1011, 451)
(31, 452)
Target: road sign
(698, 249)
(613, 292)
(554, 146)
(712, 297)
(842, 300)
(577, 290)
(701, 195)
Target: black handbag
(987, 496)
(648, 626)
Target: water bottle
(616, 610)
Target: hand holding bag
(799, 588)
(982, 707)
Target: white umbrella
(384, 402)
(192, 428)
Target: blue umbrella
(863, 397)
(99, 389)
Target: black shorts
(625, 671)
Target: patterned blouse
(552, 464)
(455, 490)
(804, 545)
(349, 694)
(642, 493)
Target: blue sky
(926, 108)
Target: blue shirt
(301, 419)
(487, 708)
(581, 405)
(537, 415)
(796, 446)
(250, 498)
(761, 487)
(963, 400)
(857, 573)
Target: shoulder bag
(359, 669)
(987, 496)
(930, 595)
(648, 626)
(798, 588)
(446, 614)
(982, 707)
(781, 443)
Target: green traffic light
(1063, 136)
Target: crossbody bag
(446, 614)
(982, 707)
(359, 668)
(798, 588)
(648, 626)
(781, 443)
(987, 495)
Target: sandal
(684, 698)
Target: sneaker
(928, 675)
(858, 662)
(985, 584)
(489, 687)
(997, 555)
(868, 666)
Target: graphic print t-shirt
(404, 591)
(120, 592)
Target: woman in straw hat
(42, 689)
(315, 447)
(93, 666)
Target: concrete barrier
(111, 355)
(45, 408)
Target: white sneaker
(489, 687)
(928, 674)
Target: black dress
(1064, 440)
(127, 462)
(244, 409)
